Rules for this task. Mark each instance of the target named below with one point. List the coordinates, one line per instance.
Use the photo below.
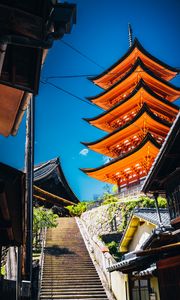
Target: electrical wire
(82, 54)
(97, 64)
(69, 93)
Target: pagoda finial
(130, 35)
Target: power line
(83, 100)
(77, 97)
(67, 76)
(94, 62)
(83, 75)
(82, 54)
(69, 93)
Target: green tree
(77, 209)
(42, 218)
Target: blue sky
(100, 38)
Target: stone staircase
(68, 271)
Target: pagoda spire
(130, 38)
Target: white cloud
(84, 152)
(106, 159)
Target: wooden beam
(16, 21)
(46, 195)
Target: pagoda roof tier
(123, 65)
(128, 168)
(127, 137)
(121, 112)
(128, 82)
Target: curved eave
(54, 164)
(136, 44)
(144, 110)
(148, 138)
(137, 64)
(42, 172)
(141, 84)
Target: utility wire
(83, 100)
(69, 93)
(79, 98)
(82, 54)
(90, 75)
(94, 62)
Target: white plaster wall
(141, 234)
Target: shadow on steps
(55, 250)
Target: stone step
(68, 271)
(67, 293)
(71, 281)
(73, 297)
(70, 289)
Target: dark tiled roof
(150, 215)
(50, 177)
(45, 169)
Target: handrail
(41, 262)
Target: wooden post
(157, 208)
(29, 169)
(18, 277)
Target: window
(139, 289)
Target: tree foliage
(42, 218)
(109, 199)
(77, 209)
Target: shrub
(42, 218)
(77, 209)
(109, 199)
(114, 249)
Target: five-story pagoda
(138, 113)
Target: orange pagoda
(138, 113)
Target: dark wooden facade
(11, 206)
(165, 178)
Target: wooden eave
(117, 70)
(135, 163)
(141, 94)
(10, 100)
(126, 85)
(45, 196)
(143, 121)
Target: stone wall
(103, 219)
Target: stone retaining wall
(103, 219)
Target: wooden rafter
(43, 195)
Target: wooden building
(50, 185)
(164, 178)
(27, 30)
(138, 112)
(142, 273)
